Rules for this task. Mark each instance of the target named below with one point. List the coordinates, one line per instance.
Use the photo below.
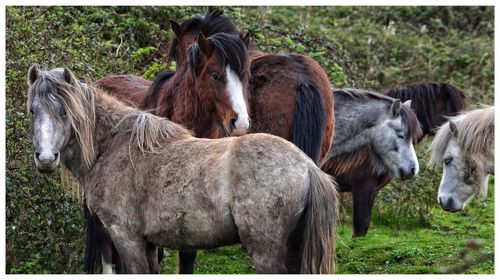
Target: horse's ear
(245, 38)
(205, 45)
(453, 129)
(407, 103)
(68, 76)
(395, 108)
(33, 74)
(176, 28)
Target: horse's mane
(148, 130)
(424, 96)
(83, 103)
(211, 23)
(414, 130)
(230, 51)
(361, 94)
(159, 80)
(475, 133)
(342, 163)
(477, 130)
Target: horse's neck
(180, 103)
(109, 112)
(72, 159)
(352, 130)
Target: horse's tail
(310, 244)
(309, 119)
(91, 243)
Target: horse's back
(274, 92)
(132, 90)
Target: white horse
(465, 148)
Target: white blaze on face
(46, 138)
(235, 89)
(414, 157)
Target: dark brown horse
(356, 173)
(207, 94)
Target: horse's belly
(195, 229)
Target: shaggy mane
(477, 130)
(475, 133)
(211, 23)
(230, 50)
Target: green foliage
(371, 47)
(392, 207)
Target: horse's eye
(448, 160)
(401, 136)
(214, 76)
(62, 113)
(32, 112)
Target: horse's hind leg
(107, 257)
(264, 248)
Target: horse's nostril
(37, 155)
(56, 155)
(232, 123)
(412, 171)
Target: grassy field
(364, 47)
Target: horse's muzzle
(238, 128)
(448, 205)
(407, 173)
(46, 161)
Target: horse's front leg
(152, 256)
(107, 257)
(132, 250)
(363, 196)
(186, 261)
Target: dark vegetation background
(368, 47)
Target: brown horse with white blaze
(207, 94)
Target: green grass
(412, 250)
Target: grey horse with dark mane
(152, 184)
(374, 141)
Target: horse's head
(395, 138)
(53, 109)
(219, 67)
(465, 170)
